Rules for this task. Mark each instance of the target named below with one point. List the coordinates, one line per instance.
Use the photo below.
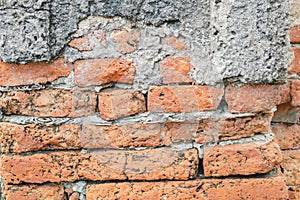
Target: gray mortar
(79, 186)
(245, 41)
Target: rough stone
(32, 137)
(114, 104)
(259, 97)
(33, 73)
(34, 192)
(287, 136)
(103, 71)
(290, 165)
(183, 98)
(207, 189)
(152, 164)
(295, 13)
(175, 70)
(241, 159)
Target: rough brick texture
(290, 164)
(32, 137)
(153, 164)
(295, 63)
(183, 98)
(287, 136)
(48, 103)
(126, 39)
(256, 98)
(286, 113)
(103, 71)
(295, 92)
(114, 104)
(34, 192)
(33, 73)
(258, 189)
(175, 42)
(176, 69)
(295, 34)
(241, 159)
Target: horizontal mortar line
(145, 118)
(292, 149)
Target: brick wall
(123, 114)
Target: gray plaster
(244, 41)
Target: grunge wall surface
(146, 99)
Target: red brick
(49, 103)
(256, 98)
(82, 44)
(33, 137)
(295, 92)
(114, 104)
(152, 164)
(177, 43)
(286, 113)
(208, 189)
(117, 136)
(215, 130)
(295, 34)
(183, 98)
(287, 136)
(295, 65)
(34, 192)
(176, 69)
(127, 39)
(33, 73)
(241, 159)
(103, 71)
(290, 164)
(294, 193)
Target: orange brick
(256, 98)
(32, 137)
(183, 98)
(290, 164)
(103, 71)
(208, 189)
(287, 136)
(82, 44)
(286, 113)
(295, 34)
(33, 73)
(34, 192)
(295, 92)
(114, 104)
(48, 103)
(294, 193)
(241, 159)
(177, 43)
(176, 69)
(295, 65)
(127, 39)
(152, 164)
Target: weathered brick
(89, 42)
(241, 159)
(176, 69)
(208, 189)
(295, 63)
(215, 130)
(33, 137)
(152, 164)
(49, 103)
(295, 92)
(34, 192)
(295, 34)
(256, 98)
(127, 39)
(295, 13)
(290, 164)
(183, 98)
(287, 136)
(117, 136)
(33, 73)
(286, 113)
(103, 71)
(294, 193)
(114, 104)
(177, 43)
